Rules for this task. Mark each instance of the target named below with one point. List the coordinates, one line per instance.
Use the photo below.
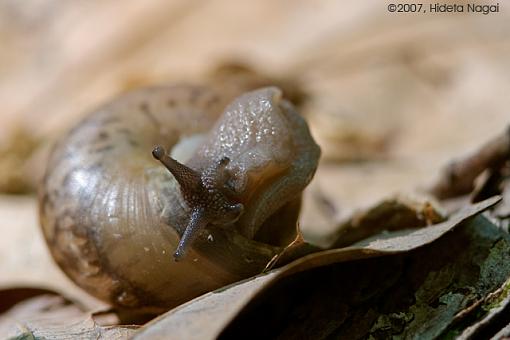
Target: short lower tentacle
(196, 223)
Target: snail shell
(113, 216)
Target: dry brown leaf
(396, 213)
(391, 242)
(414, 294)
(52, 316)
(392, 214)
(13, 296)
(205, 317)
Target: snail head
(208, 195)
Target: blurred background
(390, 97)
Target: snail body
(113, 216)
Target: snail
(168, 192)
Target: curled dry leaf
(397, 213)
(206, 316)
(46, 315)
(327, 226)
(389, 215)
(412, 294)
(388, 243)
(13, 296)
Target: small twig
(458, 177)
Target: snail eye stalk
(188, 179)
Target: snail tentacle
(197, 221)
(188, 179)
